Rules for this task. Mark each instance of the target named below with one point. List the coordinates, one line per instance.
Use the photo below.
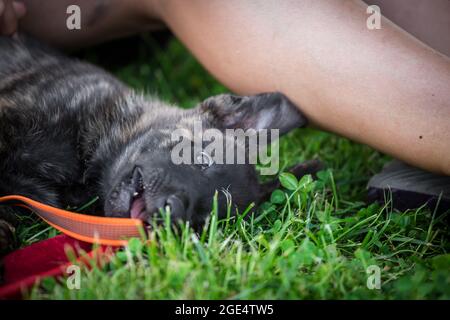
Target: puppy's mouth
(129, 200)
(126, 200)
(137, 207)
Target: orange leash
(92, 229)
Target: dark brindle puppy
(69, 131)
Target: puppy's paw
(7, 241)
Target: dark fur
(70, 131)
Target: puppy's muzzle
(141, 197)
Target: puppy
(70, 131)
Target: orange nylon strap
(92, 229)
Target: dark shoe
(410, 187)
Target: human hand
(10, 13)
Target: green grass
(313, 240)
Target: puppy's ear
(262, 111)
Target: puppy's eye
(204, 160)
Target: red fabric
(48, 258)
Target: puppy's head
(186, 156)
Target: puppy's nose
(177, 207)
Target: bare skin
(383, 87)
